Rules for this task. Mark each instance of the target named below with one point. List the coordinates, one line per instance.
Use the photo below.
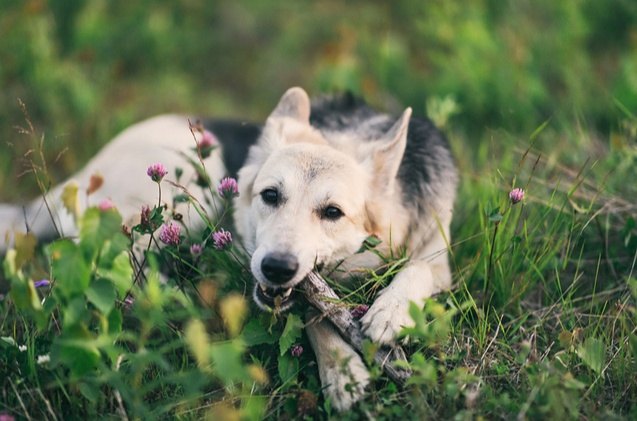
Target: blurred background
(486, 70)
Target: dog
(315, 181)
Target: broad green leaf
(8, 340)
(291, 333)
(255, 334)
(592, 352)
(80, 356)
(228, 366)
(288, 368)
(118, 244)
(71, 272)
(75, 312)
(120, 273)
(89, 391)
(97, 227)
(102, 295)
(25, 296)
(115, 321)
(254, 407)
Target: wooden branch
(321, 296)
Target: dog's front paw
(345, 382)
(386, 317)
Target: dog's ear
(294, 104)
(389, 150)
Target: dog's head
(307, 200)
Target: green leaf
(102, 295)
(89, 391)
(9, 340)
(75, 312)
(254, 407)
(256, 334)
(113, 249)
(592, 352)
(97, 227)
(24, 295)
(120, 273)
(71, 272)
(288, 368)
(369, 243)
(228, 366)
(291, 333)
(81, 356)
(115, 321)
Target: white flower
(22, 348)
(43, 359)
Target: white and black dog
(315, 181)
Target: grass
(541, 322)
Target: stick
(319, 294)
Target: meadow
(533, 95)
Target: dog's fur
(316, 180)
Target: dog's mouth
(274, 299)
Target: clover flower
(6, 417)
(516, 195)
(43, 359)
(156, 172)
(221, 239)
(169, 233)
(359, 311)
(228, 188)
(206, 143)
(105, 205)
(22, 348)
(296, 350)
(196, 250)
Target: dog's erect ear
(294, 104)
(389, 150)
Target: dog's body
(315, 182)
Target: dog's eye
(332, 213)
(270, 196)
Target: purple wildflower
(516, 195)
(221, 239)
(42, 283)
(105, 205)
(296, 351)
(206, 143)
(359, 311)
(6, 417)
(228, 188)
(196, 249)
(129, 301)
(156, 172)
(207, 139)
(169, 233)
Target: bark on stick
(321, 296)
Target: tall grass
(541, 321)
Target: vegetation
(538, 95)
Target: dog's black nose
(279, 268)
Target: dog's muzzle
(274, 299)
(278, 269)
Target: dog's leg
(342, 371)
(425, 274)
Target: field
(538, 95)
